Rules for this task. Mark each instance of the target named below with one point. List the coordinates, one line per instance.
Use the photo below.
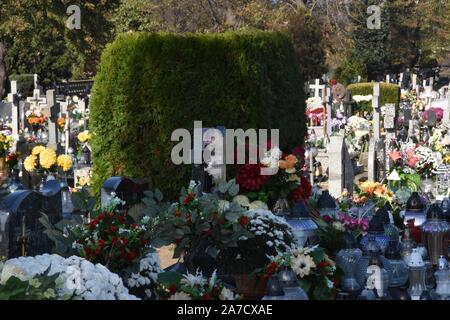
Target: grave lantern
(347, 259)
(435, 233)
(128, 190)
(291, 288)
(274, 290)
(327, 205)
(417, 273)
(415, 210)
(303, 227)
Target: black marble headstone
(129, 190)
(21, 233)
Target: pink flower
(412, 162)
(395, 155)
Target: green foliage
(148, 85)
(390, 93)
(25, 83)
(40, 287)
(349, 70)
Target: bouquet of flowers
(77, 278)
(45, 160)
(270, 235)
(332, 229)
(316, 272)
(6, 143)
(376, 192)
(35, 118)
(175, 286)
(287, 183)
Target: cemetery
(93, 205)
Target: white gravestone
(317, 87)
(376, 105)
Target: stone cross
(15, 111)
(376, 105)
(53, 107)
(414, 81)
(340, 172)
(317, 87)
(329, 104)
(389, 126)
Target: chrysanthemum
(47, 158)
(302, 265)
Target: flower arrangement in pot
(35, 119)
(44, 161)
(270, 235)
(287, 182)
(200, 225)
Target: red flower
(131, 256)
(327, 218)
(188, 199)
(271, 268)
(173, 289)
(243, 220)
(249, 177)
(303, 191)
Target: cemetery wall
(151, 84)
(390, 93)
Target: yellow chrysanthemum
(30, 163)
(65, 162)
(47, 158)
(84, 136)
(37, 150)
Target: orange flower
(289, 162)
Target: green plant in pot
(201, 225)
(271, 235)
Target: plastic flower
(37, 150)
(302, 265)
(47, 158)
(65, 162)
(30, 163)
(84, 136)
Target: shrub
(148, 85)
(390, 93)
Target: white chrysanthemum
(302, 265)
(78, 276)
